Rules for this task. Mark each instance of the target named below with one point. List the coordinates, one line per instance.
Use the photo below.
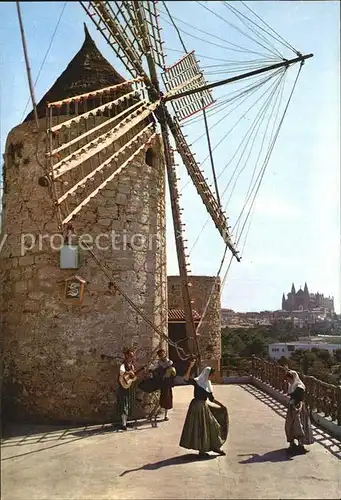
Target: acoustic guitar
(127, 379)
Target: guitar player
(126, 397)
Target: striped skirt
(205, 428)
(298, 425)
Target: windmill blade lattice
(186, 75)
(106, 17)
(88, 150)
(127, 27)
(117, 23)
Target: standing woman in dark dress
(297, 422)
(205, 427)
(164, 372)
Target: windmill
(132, 30)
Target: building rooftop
(304, 342)
(179, 315)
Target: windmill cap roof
(88, 71)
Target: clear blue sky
(295, 229)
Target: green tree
(337, 355)
(323, 355)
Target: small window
(150, 157)
(291, 348)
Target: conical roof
(88, 71)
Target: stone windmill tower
(52, 345)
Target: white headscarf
(203, 379)
(297, 382)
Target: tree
(257, 347)
(324, 355)
(337, 355)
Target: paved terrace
(101, 463)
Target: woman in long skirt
(297, 422)
(206, 427)
(164, 372)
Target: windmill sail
(186, 75)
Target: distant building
(232, 319)
(282, 349)
(302, 300)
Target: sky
(294, 232)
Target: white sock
(124, 419)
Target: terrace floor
(98, 462)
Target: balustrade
(320, 396)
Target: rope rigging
(248, 134)
(228, 45)
(259, 119)
(222, 104)
(251, 128)
(46, 55)
(266, 162)
(220, 268)
(205, 56)
(217, 194)
(237, 29)
(251, 90)
(249, 192)
(248, 93)
(267, 158)
(241, 16)
(263, 110)
(287, 44)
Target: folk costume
(206, 427)
(297, 422)
(164, 372)
(125, 397)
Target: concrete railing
(323, 400)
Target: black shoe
(123, 427)
(301, 450)
(203, 455)
(166, 419)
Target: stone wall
(53, 366)
(210, 329)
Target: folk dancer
(163, 370)
(125, 397)
(206, 427)
(297, 422)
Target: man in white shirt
(125, 397)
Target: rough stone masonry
(53, 370)
(205, 291)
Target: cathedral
(305, 301)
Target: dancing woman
(297, 422)
(202, 431)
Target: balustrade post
(338, 405)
